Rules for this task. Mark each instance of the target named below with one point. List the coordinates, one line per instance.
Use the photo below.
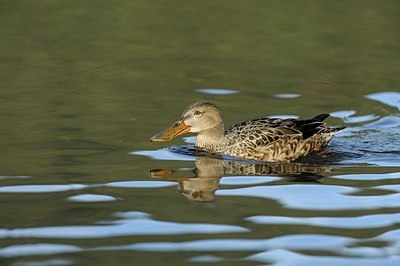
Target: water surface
(83, 86)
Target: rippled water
(83, 87)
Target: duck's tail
(322, 117)
(315, 125)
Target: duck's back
(277, 140)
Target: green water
(85, 84)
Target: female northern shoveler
(263, 139)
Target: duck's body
(272, 139)
(264, 139)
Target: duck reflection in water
(208, 171)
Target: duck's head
(198, 117)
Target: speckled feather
(274, 139)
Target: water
(83, 87)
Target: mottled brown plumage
(263, 139)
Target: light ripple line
(360, 222)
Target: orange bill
(177, 129)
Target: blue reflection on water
(217, 91)
(247, 180)
(140, 184)
(360, 222)
(300, 242)
(271, 249)
(286, 95)
(369, 176)
(390, 98)
(92, 198)
(164, 154)
(41, 188)
(288, 258)
(37, 249)
(70, 187)
(315, 197)
(124, 226)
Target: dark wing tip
(320, 117)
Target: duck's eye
(197, 113)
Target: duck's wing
(263, 131)
(259, 132)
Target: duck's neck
(211, 139)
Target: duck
(264, 139)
